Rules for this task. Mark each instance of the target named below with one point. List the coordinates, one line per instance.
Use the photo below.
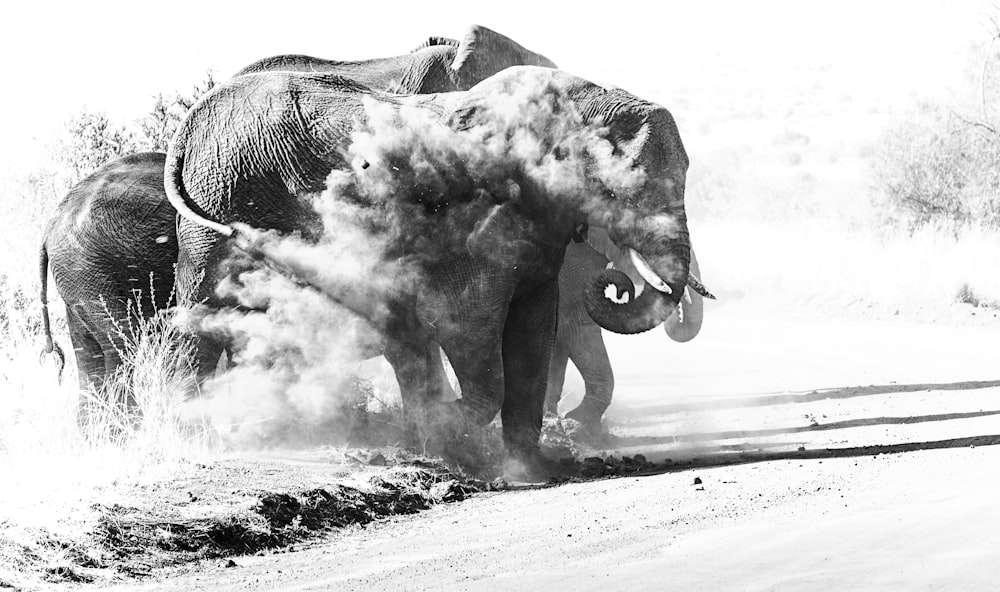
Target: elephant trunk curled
(658, 250)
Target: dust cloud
(416, 187)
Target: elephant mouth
(632, 296)
(653, 280)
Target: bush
(159, 125)
(92, 139)
(939, 167)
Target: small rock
(447, 491)
(593, 466)
(378, 460)
(697, 480)
(498, 484)
(231, 563)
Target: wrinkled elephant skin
(500, 313)
(111, 245)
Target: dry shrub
(939, 167)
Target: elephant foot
(589, 419)
(447, 433)
(533, 466)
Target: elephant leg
(466, 316)
(200, 266)
(418, 372)
(480, 373)
(89, 355)
(479, 369)
(557, 373)
(89, 362)
(590, 356)
(528, 338)
(112, 337)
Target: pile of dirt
(229, 507)
(139, 539)
(268, 501)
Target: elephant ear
(482, 53)
(436, 42)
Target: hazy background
(788, 59)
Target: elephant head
(482, 53)
(439, 64)
(645, 224)
(685, 322)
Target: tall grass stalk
(52, 462)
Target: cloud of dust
(419, 186)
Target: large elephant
(132, 231)
(441, 64)
(489, 298)
(111, 244)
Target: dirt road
(844, 455)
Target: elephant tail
(173, 184)
(50, 345)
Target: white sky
(115, 55)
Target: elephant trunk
(685, 323)
(661, 253)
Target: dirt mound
(227, 508)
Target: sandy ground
(847, 455)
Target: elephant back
(114, 236)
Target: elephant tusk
(647, 272)
(698, 287)
(687, 295)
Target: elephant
(138, 222)
(579, 338)
(488, 253)
(442, 63)
(439, 64)
(112, 246)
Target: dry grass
(54, 470)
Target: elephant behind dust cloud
(416, 188)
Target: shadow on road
(648, 413)
(626, 442)
(752, 456)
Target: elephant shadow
(711, 449)
(728, 456)
(632, 415)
